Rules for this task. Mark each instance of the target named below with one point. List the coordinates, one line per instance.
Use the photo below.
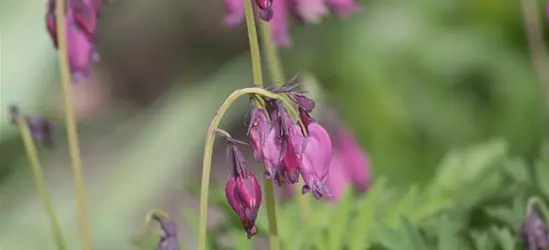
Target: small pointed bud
(265, 9)
(243, 191)
(235, 12)
(534, 230)
(304, 102)
(305, 117)
(258, 130)
(168, 238)
(316, 160)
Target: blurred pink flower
(81, 22)
(276, 11)
(349, 167)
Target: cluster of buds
(289, 150)
(276, 11)
(81, 24)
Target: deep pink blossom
(242, 190)
(81, 23)
(277, 13)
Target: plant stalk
(40, 181)
(207, 160)
(70, 123)
(276, 72)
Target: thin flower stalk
(276, 73)
(70, 123)
(208, 151)
(40, 181)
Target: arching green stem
(208, 151)
(70, 123)
(539, 205)
(147, 224)
(41, 185)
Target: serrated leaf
(340, 221)
(447, 235)
(413, 237)
(505, 238)
(364, 222)
(518, 171)
(482, 240)
(389, 237)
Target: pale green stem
(270, 51)
(70, 123)
(40, 181)
(538, 52)
(147, 224)
(207, 162)
(254, 45)
(276, 73)
(258, 80)
(535, 201)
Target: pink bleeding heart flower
(277, 13)
(81, 22)
(316, 161)
(242, 190)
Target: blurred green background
(414, 79)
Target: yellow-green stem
(258, 80)
(207, 160)
(40, 181)
(270, 51)
(254, 44)
(70, 123)
(276, 73)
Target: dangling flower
(316, 161)
(276, 12)
(293, 144)
(81, 23)
(242, 189)
(534, 230)
(40, 128)
(168, 238)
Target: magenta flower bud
(265, 9)
(243, 191)
(316, 160)
(279, 23)
(81, 23)
(258, 130)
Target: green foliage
(476, 200)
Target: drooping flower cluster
(276, 11)
(287, 149)
(40, 128)
(81, 23)
(534, 231)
